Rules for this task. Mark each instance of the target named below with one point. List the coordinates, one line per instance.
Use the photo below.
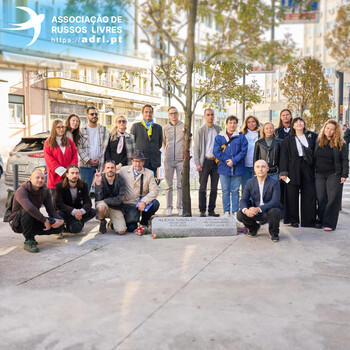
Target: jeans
(75, 226)
(145, 216)
(209, 168)
(230, 191)
(169, 169)
(328, 189)
(248, 174)
(274, 176)
(87, 175)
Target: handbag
(222, 148)
(132, 214)
(307, 153)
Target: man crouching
(26, 217)
(72, 200)
(109, 196)
(264, 192)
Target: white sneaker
(226, 214)
(180, 211)
(169, 212)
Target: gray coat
(173, 142)
(150, 148)
(200, 143)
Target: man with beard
(109, 196)
(26, 217)
(92, 142)
(72, 200)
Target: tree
(306, 88)
(339, 37)
(214, 66)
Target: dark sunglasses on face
(122, 121)
(94, 114)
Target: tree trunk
(186, 190)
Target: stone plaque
(193, 226)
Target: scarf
(148, 127)
(121, 142)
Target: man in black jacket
(72, 200)
(148, 139)
(109, 196)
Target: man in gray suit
(205, 162)
(148, 139)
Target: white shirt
(252, 137)
(261, 191)
(209, 147)
(303, 141)
(94, 138)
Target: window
(16, 107)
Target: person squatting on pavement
(72, 200)
(109, 196)
(205, 163)
(264, 192)
(173, 133)
(141, 192)
(26, 217)
(92, 143)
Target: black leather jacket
(270, 154)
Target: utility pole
(340, 77)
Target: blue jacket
(236, 150)
(271, 195)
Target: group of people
(270, 165)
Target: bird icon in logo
(34, 22)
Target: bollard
(15, 176)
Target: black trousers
(329, 190)
(75, 226)
(272, 216)
(29, 226)
(145, 216)
(308, 199)
(210, 168)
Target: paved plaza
(94, 291)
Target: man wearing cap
(141, 192)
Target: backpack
(9, 203)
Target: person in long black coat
(297, 171)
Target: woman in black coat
(268, 149)
(297, 171)
(332, 168)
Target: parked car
(29, 155)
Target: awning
(37, 61)
(86, 98)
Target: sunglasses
(94, 114)
(59, 127)
(122, 121)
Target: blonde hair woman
(268, 149)
(121, 144)
(332, 168)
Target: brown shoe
(202, 214)
(212, 213)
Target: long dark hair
(75, 132)
(280, 124)
(53, 134)
(65, 181)
(294, 120)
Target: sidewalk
(107, 291)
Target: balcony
(66, 81)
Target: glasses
(59, 127)
(174, 113)
(94, 114)
(122, 121)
